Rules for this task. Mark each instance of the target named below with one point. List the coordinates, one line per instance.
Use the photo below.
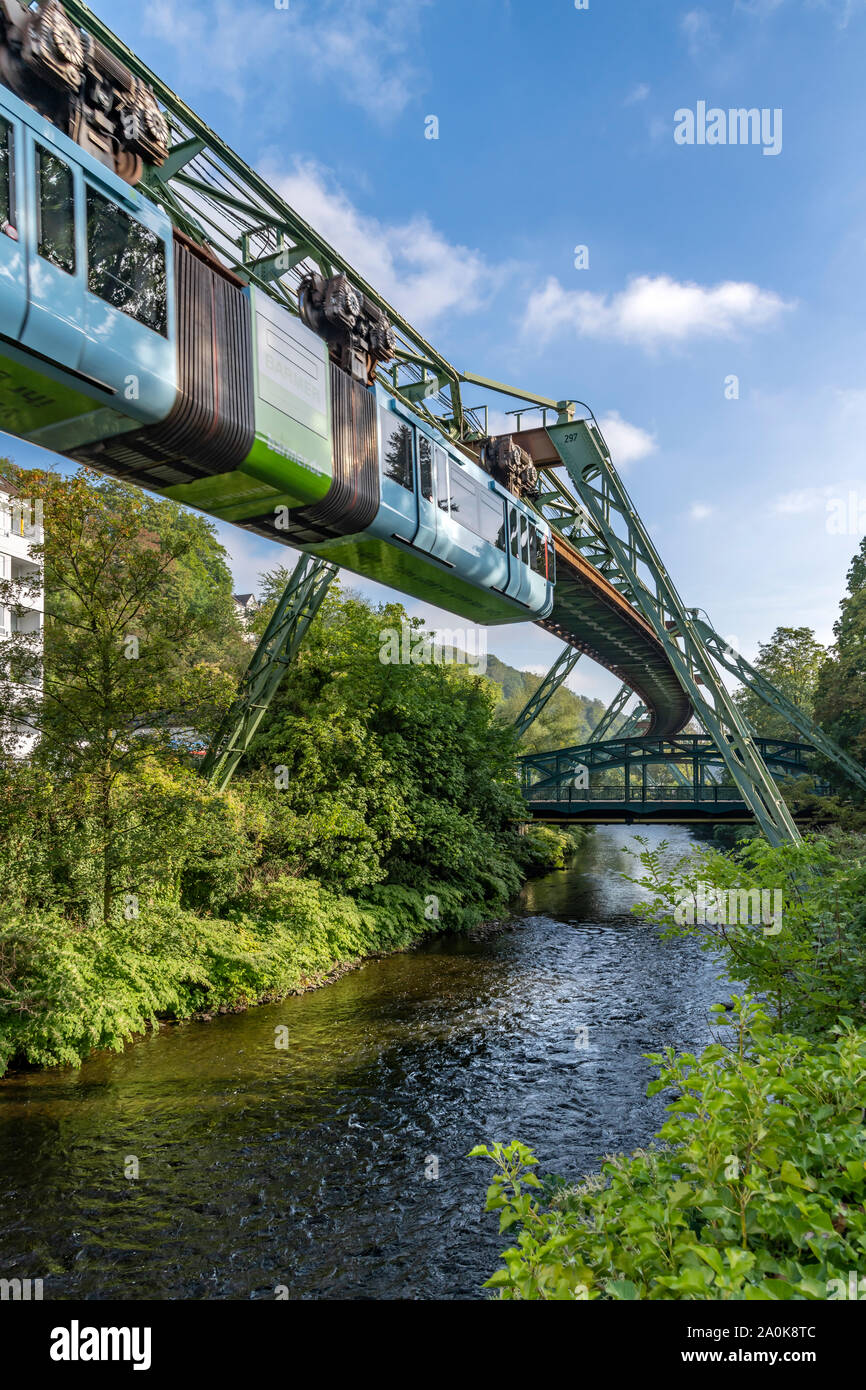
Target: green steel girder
(633, 722)
(699, 751)
(724, 653)
(561, 668)
(611, 714)
(278, 648)
(617, 529)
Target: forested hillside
(566, 718)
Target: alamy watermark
(408, 646)
(730, 907)
(713, 125)
(846, 516)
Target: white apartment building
(20, 530)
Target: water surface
(308, 1167)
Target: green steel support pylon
(753, 680)
(275, 653)
(644, 579)
(614, 709)
(562, 667)
(630, 727)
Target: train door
(519, 574)
(13, 268)
(442, 544)
(54, 247)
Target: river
(337, 1167)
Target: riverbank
(72, 991)
(311, 1166)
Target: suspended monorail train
(126, 345)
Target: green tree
(840, 697)
(791, 661)
(142, 650)
(392, 772)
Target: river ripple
(308, 1167)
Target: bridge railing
(634, 796)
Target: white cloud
(802, 500)
(841, 10)
(652, 310)
(361, 51)
(627, 443)
(638, 93)
(699, 511)
(760, 8)
(698, 29)
(410, 263)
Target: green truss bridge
(641, 780)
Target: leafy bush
(755, 1189)
(811, 967)
(544, 848)
(68, 990)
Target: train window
(442, 479)
(537, 551)
(513, 529)
(491, 520)
(524, 540)
(464, 500)
(551, 561)
(56, 226)
(126, 263)
(397, 449)
(425, 465)
(7, 200)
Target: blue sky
(556, 130)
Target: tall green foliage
(141, 646)
(404, 766)
(791, 661)
(840, 697)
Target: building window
(397, 463)
(126, 264)
(56, 210)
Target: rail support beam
(611, 714)
(561, 668)
(746, 674)
(278, 648)
(644, 579)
